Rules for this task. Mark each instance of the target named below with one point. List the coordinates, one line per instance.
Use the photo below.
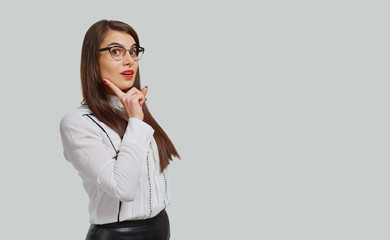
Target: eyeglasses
(118, 52)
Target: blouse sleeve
(85, 149)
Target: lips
(128, 74)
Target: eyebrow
(118, 44)
(115, 43)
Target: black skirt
(156, 228)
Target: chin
(125, 90)
(126, 87)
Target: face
(118, 72)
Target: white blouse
(129, 187)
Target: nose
(127, 59)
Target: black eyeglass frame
(140, 49)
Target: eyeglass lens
(118, 53)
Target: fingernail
(146, 99)
(146, 86)
(103, 80)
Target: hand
(132, 100)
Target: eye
(133, 52)
(116, 51)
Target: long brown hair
(96, 98)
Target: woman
(118, 149)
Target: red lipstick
(128, 74)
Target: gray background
(279, 110)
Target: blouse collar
(118, 107)
(115, 102)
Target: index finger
(114, 88)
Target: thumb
(114, 88)
(144, 90)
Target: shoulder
(75, 118)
